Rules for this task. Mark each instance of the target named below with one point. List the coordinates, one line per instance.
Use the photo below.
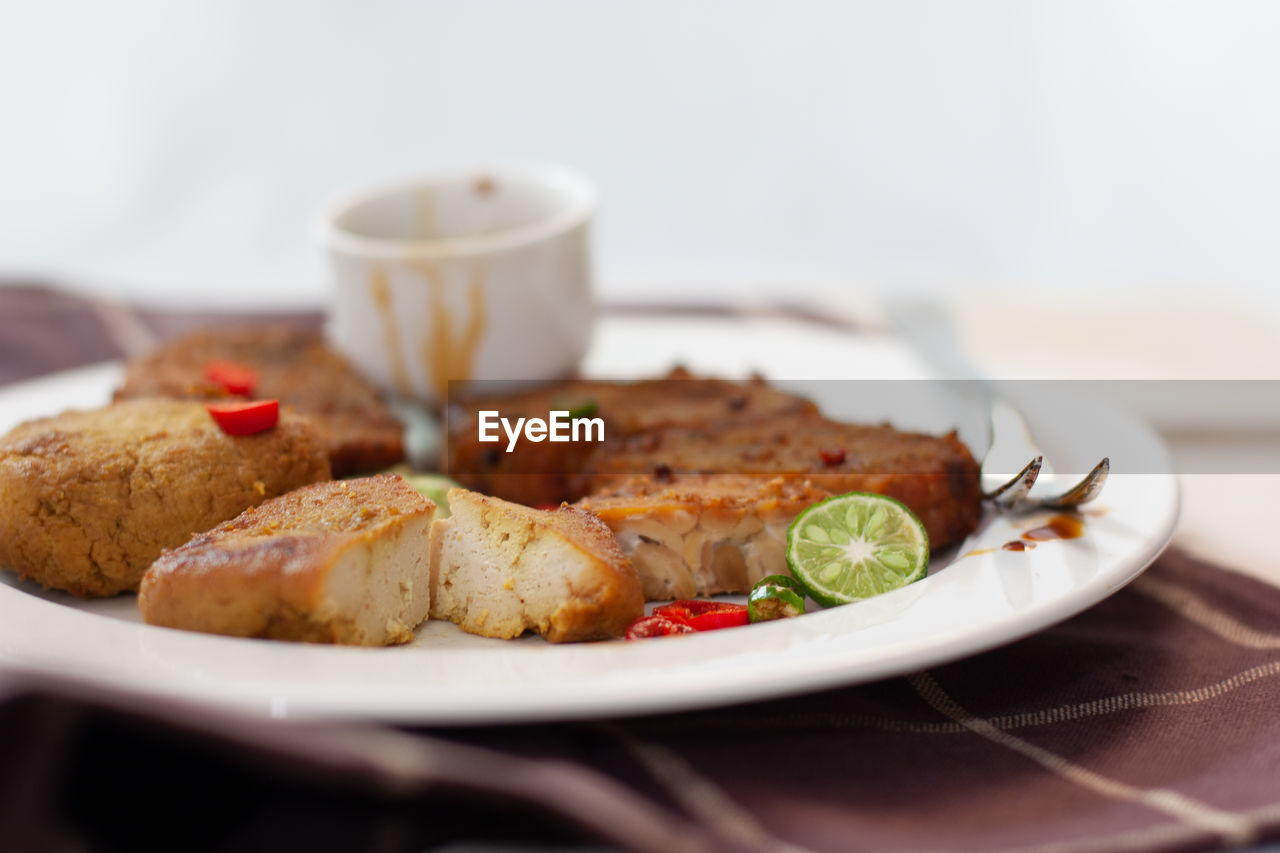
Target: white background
(178, 150)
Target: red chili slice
(233, 377)
(722, 618)
(656, 626)
(704, 615)
(832, 457)
(245, 418)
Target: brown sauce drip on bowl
(380, 289)
(450, 350)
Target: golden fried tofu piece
(88, 499)
(499, 569)
(337, 562)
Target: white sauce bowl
(483, 274)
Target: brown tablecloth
(1146, 723)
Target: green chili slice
(775, 597)
(583, 410)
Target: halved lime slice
(854, 546)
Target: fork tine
(1084, 491)
(1015, 491)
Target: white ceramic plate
(966, 605)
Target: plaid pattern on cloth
(1148, 722)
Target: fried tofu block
(711, 515)
(500, 569)
(703, 535)
(294, 366)
(935, 476)
(88, 499)
(543, 473)
(337, 562)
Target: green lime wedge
(854, 546)
(434, 486)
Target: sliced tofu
(500, 569)
(336, 562)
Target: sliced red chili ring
(727, 618)
(703, 614)
(656, 626)
(833, 456)
(685, 608)
(245, 418)
(233, 377)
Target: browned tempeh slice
(935, 476)
(294, 366)
(547, 473)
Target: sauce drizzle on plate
(1057, 527)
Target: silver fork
(928, 327)
(1011, 440)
